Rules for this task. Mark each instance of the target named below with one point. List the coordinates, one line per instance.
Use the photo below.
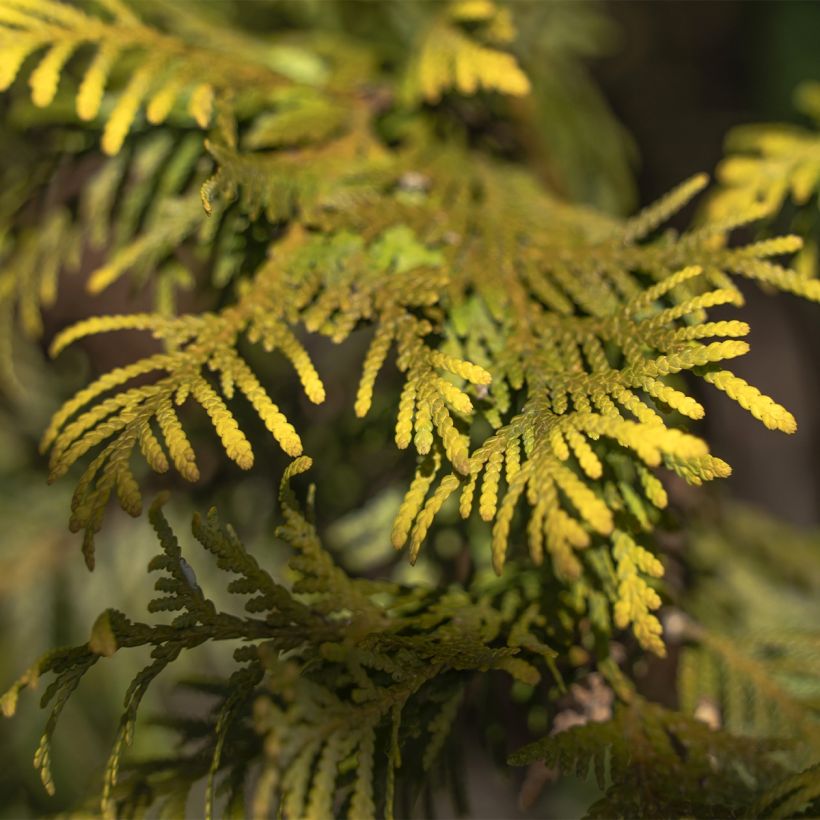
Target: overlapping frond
(545, 354)
(143, 206)
(334, 668)
(121, 418)
(565, 330)
(570, 351)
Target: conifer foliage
(546, 353)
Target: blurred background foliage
(629, 99)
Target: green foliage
(576, 341)
(751, 656)
(355, 670)
(538, 359)
(744, 741)
(583, 364)
(654, 762)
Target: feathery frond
(381, 643)
(310, 187)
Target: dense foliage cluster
(308, 186)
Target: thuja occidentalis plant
(300, 188)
